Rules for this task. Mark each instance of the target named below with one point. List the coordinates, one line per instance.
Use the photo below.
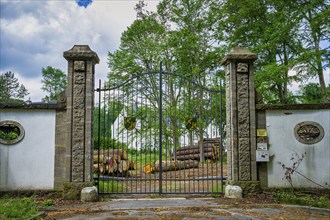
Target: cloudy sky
(35, 33)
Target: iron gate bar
(160, 142)
(98, 140)
(221, 136)
(160, 129)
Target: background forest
(291, 39)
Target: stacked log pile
(211, 150)
(113, 162)
(170, 166)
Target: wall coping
(292, 106)
(33, 106)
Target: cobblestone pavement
(185, 209)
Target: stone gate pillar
(80, 101)
(241, 118)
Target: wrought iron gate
(159, 133)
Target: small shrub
(48, 202)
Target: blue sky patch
(84, 3)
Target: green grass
(217, 190)
(145, 158)
(304, 200)
(111, 186)
(17, 208)
(173, 187)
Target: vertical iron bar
(98, 139)
(105, 189)
(160, 107)
(221, 136)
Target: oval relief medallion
(309, 132)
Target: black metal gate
(159, 133)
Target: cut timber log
(112, 162)
(122, 167)
(108, 160)
(148, 168)
(98, 167)
(194, 156)
(132, 165)
(166, 166)
(195, 148)
(109, 169)
(174, 165)
(111, 159)
(211, 140)
(187, 164)
(211, 151)
(113, 152)
(96, 158)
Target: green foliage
(107, 115)
(17, 208)
(8, 136)
(182, 36)
(108, 143)
(48, 202)
(54, 82)
(285, 35)
(11, 91)
(312, 93)
(301, 199)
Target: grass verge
(302, 199)
(17, 208)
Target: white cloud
(34, 34)
(33, 85)
(23, 28)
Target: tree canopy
(291, 39)
(10, 89)
(53, 82)
(287, 35)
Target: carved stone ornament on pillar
(240, 109)
(81, 62)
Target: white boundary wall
(283, 144)
(29, 164)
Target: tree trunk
(316, 38)
(285, 75)
(201, 126)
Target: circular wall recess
(309, 132)
(11, 132)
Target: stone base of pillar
(72, 190)
(247, 186)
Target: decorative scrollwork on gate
(191, 124)
(129, 123)
(309, 132)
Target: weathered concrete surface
(181, 208)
